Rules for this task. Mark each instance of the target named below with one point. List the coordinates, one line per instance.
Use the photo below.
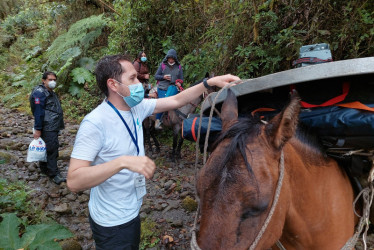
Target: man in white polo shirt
(108, 154)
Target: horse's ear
(229, 112)
(284, 125)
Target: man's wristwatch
(206, 85)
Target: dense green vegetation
(247, 38)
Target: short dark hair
(109, 67)
(47, 73)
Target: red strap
(310, 60)
(330, 102)
(193, 129)
(356, 105)
(261, 110)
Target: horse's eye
(254, 211)
(246, 215)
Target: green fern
(78, 39)
(17, 104)
(19, 83)
(10, 96)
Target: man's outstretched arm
(188, 95)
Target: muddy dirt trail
(169, 201)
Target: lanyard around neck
(134, 139)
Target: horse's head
(237, 185)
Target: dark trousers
(121, 237)
(51, 140)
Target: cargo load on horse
(337, 102)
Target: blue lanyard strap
(134, 139)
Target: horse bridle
(195, 246)
(273, 206)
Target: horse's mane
(310, 139)
(248, 127)
(239, 134)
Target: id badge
(140, 186)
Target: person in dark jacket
(169, 76)
(141, 67)
(48, 116)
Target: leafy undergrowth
(41, 236)
(149, 235)
(21, 226)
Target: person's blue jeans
(121, 237)
(172, 90)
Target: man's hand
(221, 81)
(37, 134)
(140, 164)
(152, 95)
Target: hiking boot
(58, 179)
(158, 124)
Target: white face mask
(52, 84)
(171, 64)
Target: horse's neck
(305, 154)
(191, 106)
(318, 195)
(172, 116)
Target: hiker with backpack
(169, 78)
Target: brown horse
(149, 125)
(174, 120)
(148, 132)
(237, 187)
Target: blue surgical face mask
(143, 58)
(136, 94)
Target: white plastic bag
(37, 151)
